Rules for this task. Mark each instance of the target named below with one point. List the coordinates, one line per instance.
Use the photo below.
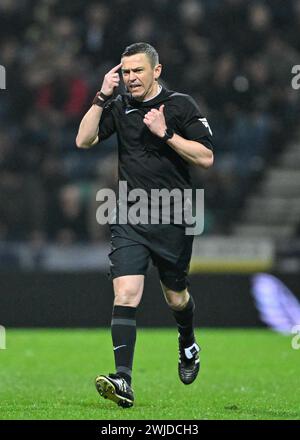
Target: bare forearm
(89, 127)
(192, 151)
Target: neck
(154, 94)
(153, 91)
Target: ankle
(187, 341)
(125, 377)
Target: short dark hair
(142, 48)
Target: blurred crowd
(233, 56)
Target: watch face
(169, 133)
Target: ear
(157, 71)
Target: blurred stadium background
(235, 58)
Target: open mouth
(134, 87)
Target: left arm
(192, 151)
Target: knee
(126, 295)
(126, 298)
(177, 300)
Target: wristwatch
(168, 134)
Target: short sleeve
(107, 123)
(195, 126)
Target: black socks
(184, 319)
(123, 331)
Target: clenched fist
(111, 80)
(155, 121)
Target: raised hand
(155, 121)
(111, 80)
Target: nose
(132, 76)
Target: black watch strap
(168, 134)
(101, 99)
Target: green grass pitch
(245, 374)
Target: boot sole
(107, 390)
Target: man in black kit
(160, 132)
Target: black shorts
(133, 246)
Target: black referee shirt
(145, 161)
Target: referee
(160, 133)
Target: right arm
(88, 132)
(89, 127)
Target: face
(139, 76)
